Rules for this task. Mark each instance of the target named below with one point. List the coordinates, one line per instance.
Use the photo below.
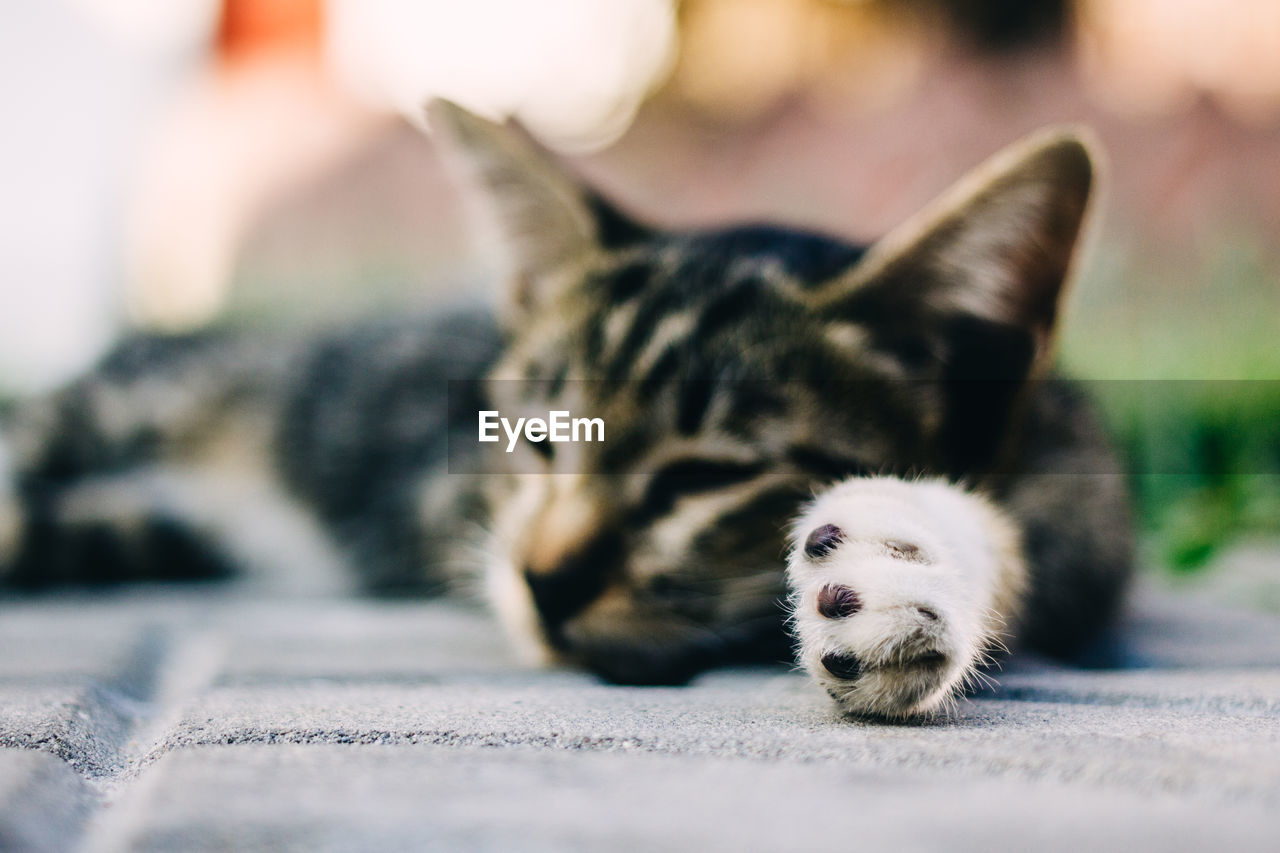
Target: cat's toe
(838, 602)
(822, 540)
(872, 641)
(842, 665)
(896, 666)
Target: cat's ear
(993, 253)
(548, 224)
(967, 293)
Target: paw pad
(838, 602)
(822, 541)
(843, 666)
(906, 551)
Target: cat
(887, 411)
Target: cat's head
(736, 370)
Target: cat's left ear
(991, 255)
(549, 225)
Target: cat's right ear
(549, 226)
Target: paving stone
(335, 797)
(1139, 744)
(44, 802)
(162, 719)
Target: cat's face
(657, 552)
(735, 371)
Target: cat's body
(737, 371)
(182, 439)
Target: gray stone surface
(204, 720)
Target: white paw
(898, 590)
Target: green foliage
(1186, 368)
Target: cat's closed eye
(692, 476)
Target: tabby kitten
(736, 371)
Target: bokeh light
(574, 71)
(1156, 56)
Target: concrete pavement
(207, 720)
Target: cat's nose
(558, 598)
(565, 588)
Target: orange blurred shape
(267, 122)
(741, 58)
(251, 28)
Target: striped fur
(738, 371)
(742, 368)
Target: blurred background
(168, 165)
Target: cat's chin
(509, 600)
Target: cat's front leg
(899, 589)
